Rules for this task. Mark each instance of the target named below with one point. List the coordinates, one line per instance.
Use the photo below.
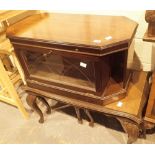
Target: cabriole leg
(131, 129)
(31, 101)
(91, 123)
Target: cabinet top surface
(87, 30)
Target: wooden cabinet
(81, 60)
(84, 59)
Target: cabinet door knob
(76, 49)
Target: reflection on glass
(60, 69)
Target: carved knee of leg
(43, 100)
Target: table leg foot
(77, 110)
(142, 131)
(131, 129)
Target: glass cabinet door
(102, 78)
(60, 69)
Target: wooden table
(81, 60)
(127, 111)
(150, 110)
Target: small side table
(8, 93)
(10, 70)
(150, 109)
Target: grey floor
(60, 127)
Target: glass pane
(60, 69)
